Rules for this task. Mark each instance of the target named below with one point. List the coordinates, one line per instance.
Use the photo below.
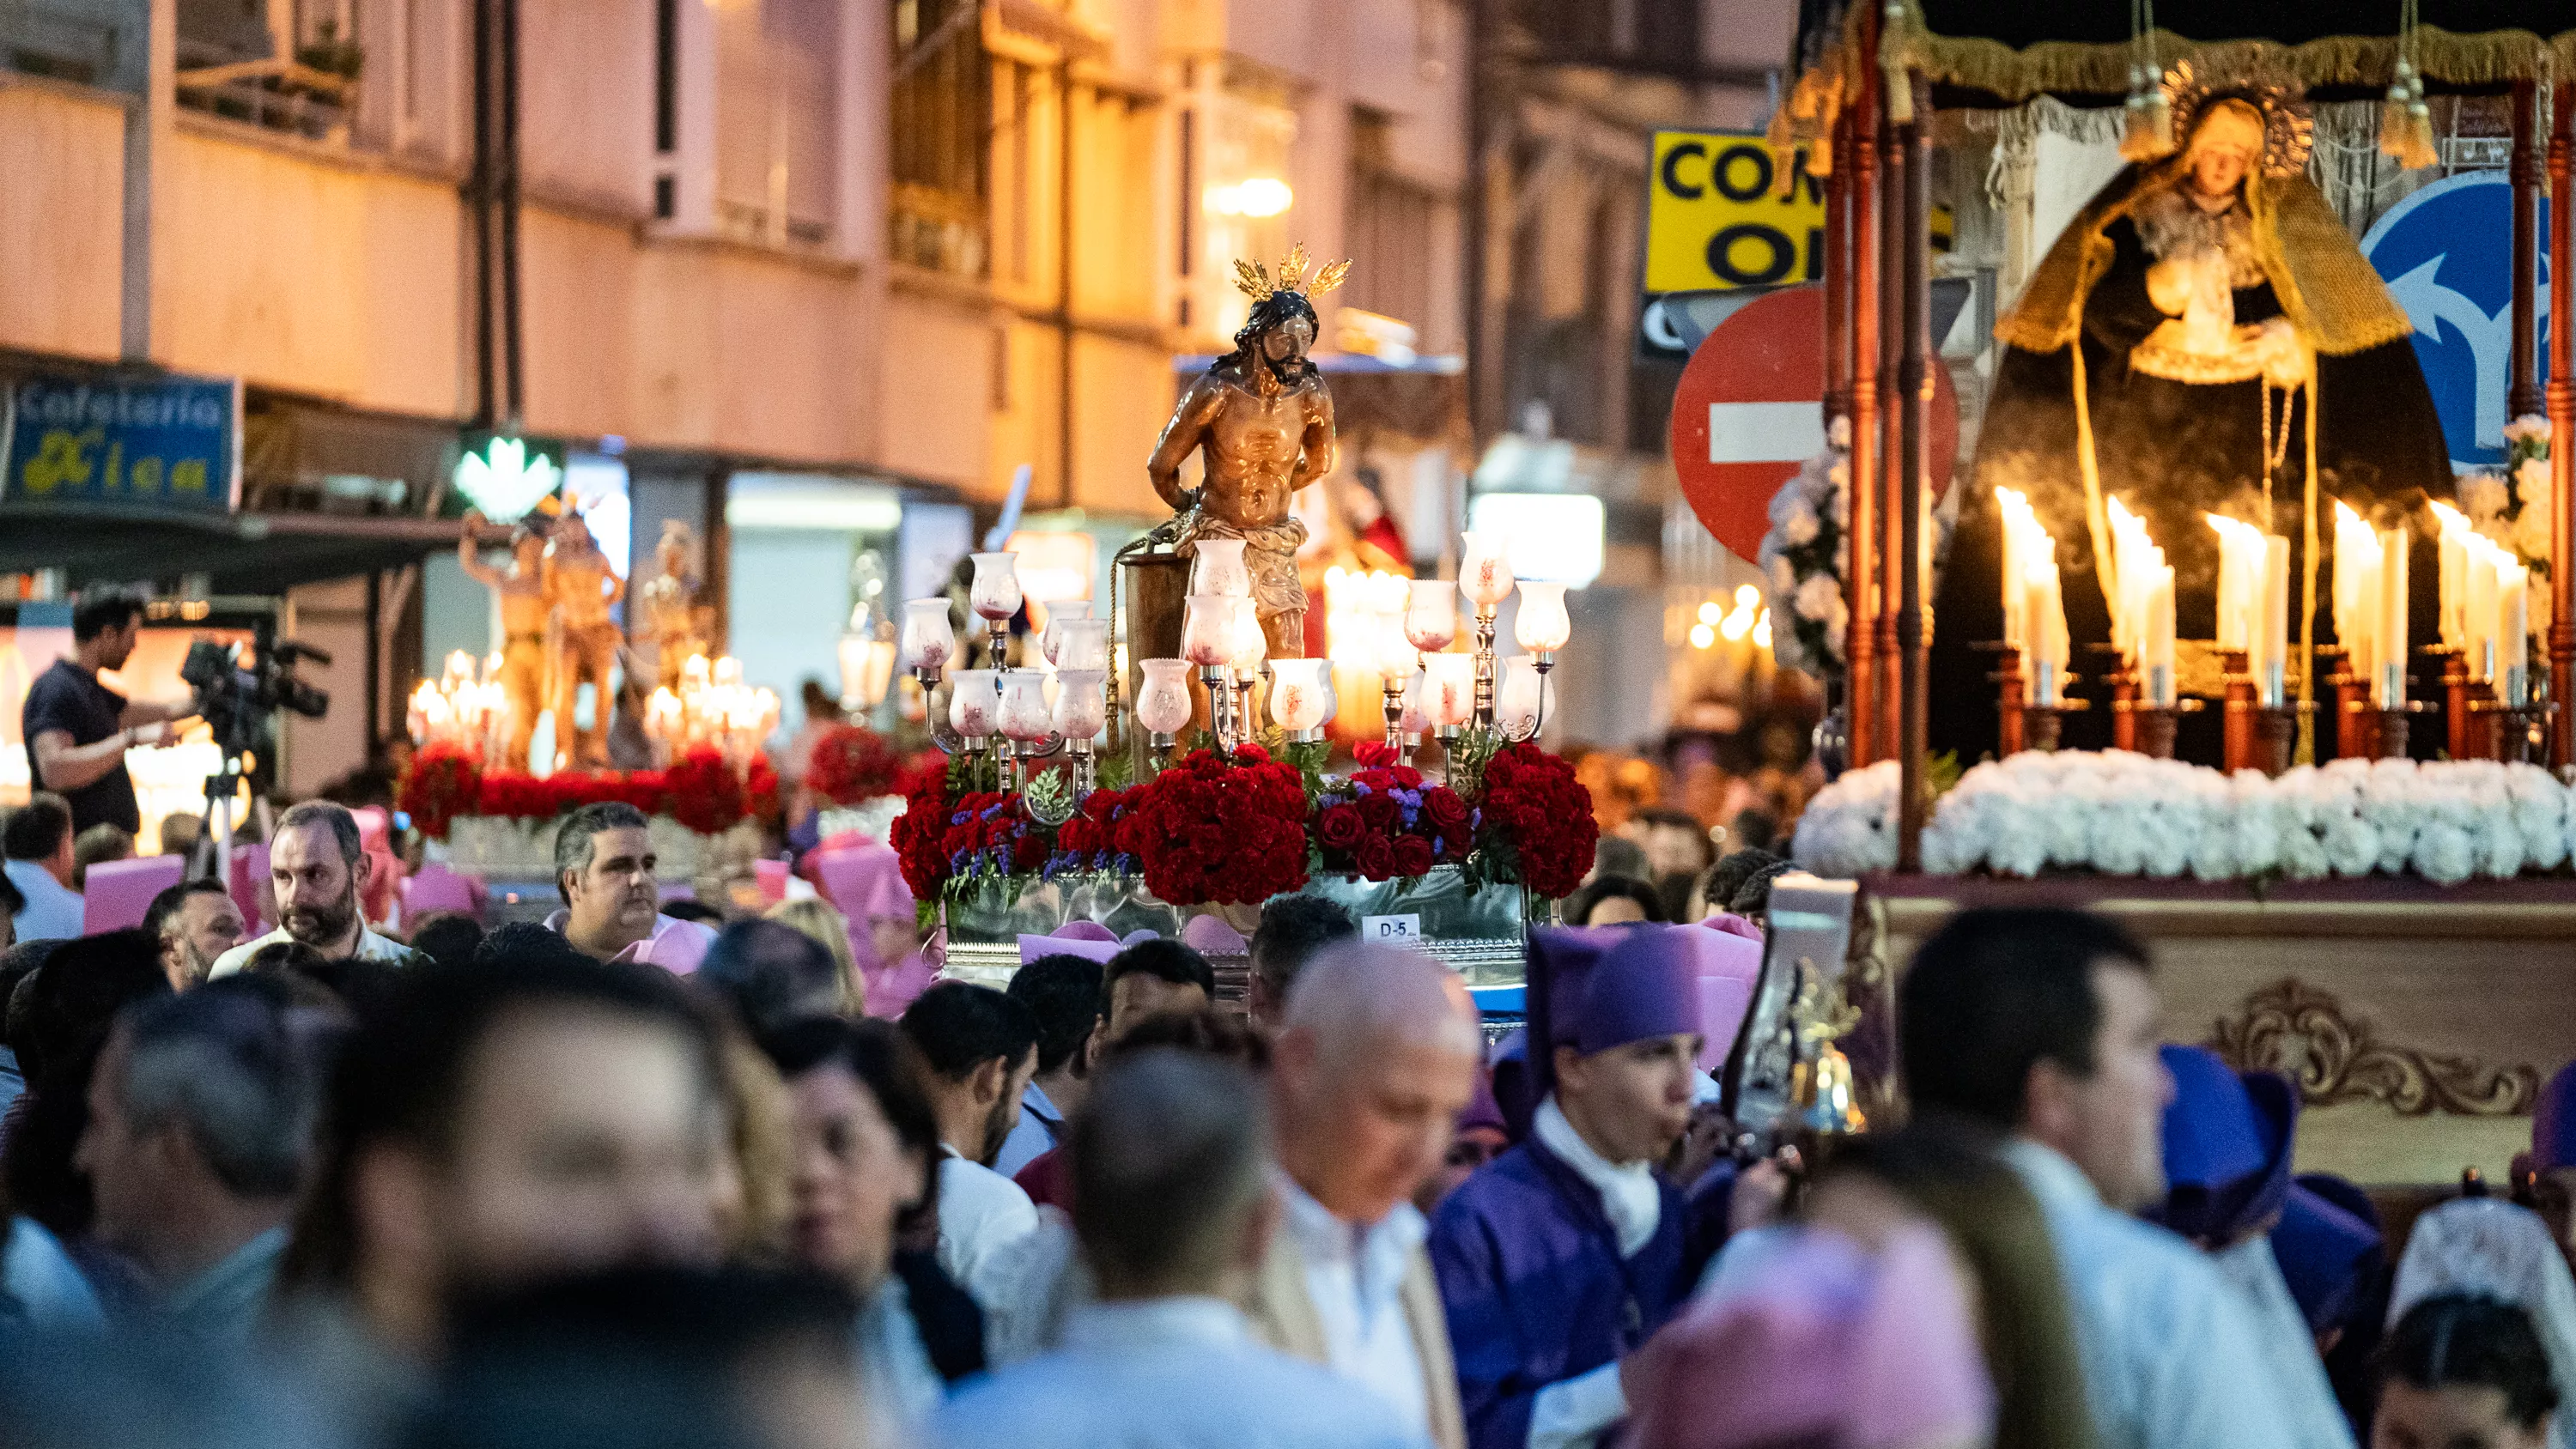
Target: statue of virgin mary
(2205, 337)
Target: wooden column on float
(1857, 169)
(1914, 383)
(1860, 169)
(2562, 427)
(2522, 362)
(1890, 543)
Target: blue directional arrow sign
(2446, 252)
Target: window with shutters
(941, 132)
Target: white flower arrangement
(2123, 814)
(1802, 560)
(2510, 504)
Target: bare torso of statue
(1261, 420)
(521, 590)
(581, 587)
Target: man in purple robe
(1567, 1252)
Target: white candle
(2478, 606)
(2513, 640)
(2047, 612)
(2273, 638)
(2454, 568)
(2020, 525)
(2356, 590)
(2388, 668)
(2156, 645)
(2235, 580)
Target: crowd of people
(638, 1174)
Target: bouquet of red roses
(1205, 830)
(920, 834)
(1536, 819)
(1089, 841)
(1386, 821)
(442, 782)
(990, 832)
(702, 791)
(852, 764)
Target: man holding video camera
(78, 730)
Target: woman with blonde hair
(815, 918)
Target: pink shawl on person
(1822, 1342)
(864, 882)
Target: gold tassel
(2406, 130)
(2149, 135)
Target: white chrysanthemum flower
(1784, 579)
(1799, 527)
(1817, 597)
(2529, 428)
(2531, 482)
(2539, 806)
(2482, 495)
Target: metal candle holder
(1220, 688)
(2152, 726)
(1542, 661)
(1485, 666)
(1393, 685)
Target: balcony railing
(282, 95)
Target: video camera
(237, 702)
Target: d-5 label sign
(1719, 215)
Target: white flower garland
(2120, 813)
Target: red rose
(1411, 855)
(1340, 828)
(1378, 812)
(1374, 754)
(1376, 858)
(1407, 777)
(1443, 809)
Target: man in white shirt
(1377, 1056)
(38, 844)
(604, 869)
(1171, 1206)
(2043, 1024)
(981, 1048)
(316, 866)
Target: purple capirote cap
(2553, 1122)
(1645, 987)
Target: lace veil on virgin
(2492, 1247)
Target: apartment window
(942, 117)
(775, 103)
(1391, 217)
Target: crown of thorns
(1254, 281)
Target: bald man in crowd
(1376, 1055)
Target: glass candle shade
(1081, 644)
(1217, 567)
(1251, 646)
(1431, 615)
(974, 705)
(1163, 702)
(1450, 681)
(1025, 715)
(1539, 625)
(995, 593)
(1484, 569)
(1081, 702)
(1300, 692)
(1207, 629)
(1051, 638)
(1417, 718)
(1522, 700)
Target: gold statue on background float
(521, 590)
(1262, 419)
(668, 618)
(581, 587)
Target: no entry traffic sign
(1750, 409)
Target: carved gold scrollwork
(2339, 1057)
